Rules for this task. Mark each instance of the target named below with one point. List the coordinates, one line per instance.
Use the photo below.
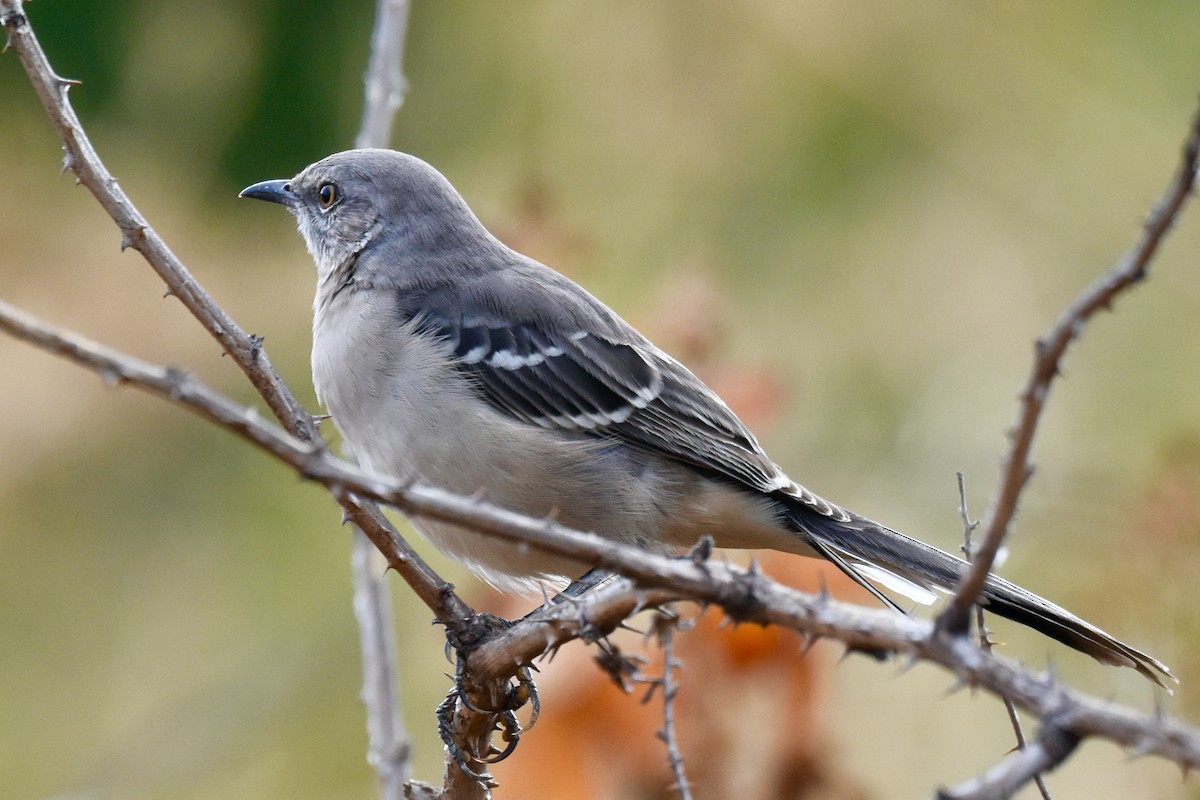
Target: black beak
(279, 191)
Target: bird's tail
(870, 553)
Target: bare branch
(246, 350)
(664, 628)
(81, 158)
(389, 750)
(385, 84)
(1050, 350)
(388, 747)
(746, 596)
(985, 641)
(1053, 746)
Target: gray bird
(443, 355)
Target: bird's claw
(520, 692)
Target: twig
(385, 84)
(1053, 746)
(246, 350)
(389, 749)
(388, 746)
(81, 158)
(745, 596)
(985, 641)
(1050, 350)
(664, 629)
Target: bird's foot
(472, 711)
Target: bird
(443, 355)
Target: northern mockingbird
(443, 355)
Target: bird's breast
(386, 386)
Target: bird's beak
(279, 191)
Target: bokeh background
(853, 219)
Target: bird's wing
(598, 376)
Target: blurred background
(852, 219)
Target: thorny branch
(664, 629)
(246, 350)
(1052, 747)
(985, 640)
(650, 580)
(1049, 352)
(389, 750)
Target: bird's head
(351, 200)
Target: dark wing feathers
(559, 376)
(551, 380)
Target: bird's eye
(327, 195)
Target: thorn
(668, 616)
(1144, 746)
(169, 292)
(563, 599)
(130, 237)
(960, 683)
(1051, 676)
(111, 377)
(176, 378)
(68, 162)
(64, 86)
